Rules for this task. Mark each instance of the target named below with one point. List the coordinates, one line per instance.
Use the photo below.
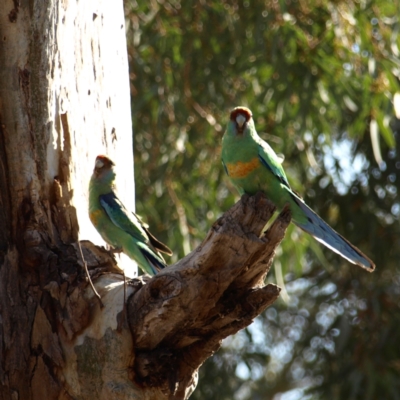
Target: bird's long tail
(320, 230)
(155, 261)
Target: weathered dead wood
(175, 321)
(179, 318)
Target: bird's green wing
(271, 161)
(160, 246)
(118, 214)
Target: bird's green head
(240, 121)
(104, 168)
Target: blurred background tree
(322, 80)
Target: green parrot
(253, 166)
(120, 229)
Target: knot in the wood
(165, 287)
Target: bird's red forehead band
(242, 111)
(104, 160)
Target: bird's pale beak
(99, 164)
(240, 119)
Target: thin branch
(88, 276)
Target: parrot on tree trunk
(117, 226)
(253, 166)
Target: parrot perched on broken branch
(253, 166)
(121, 229)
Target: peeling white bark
(66, 59)
(64, 99)
(101, 347)
(89, 81)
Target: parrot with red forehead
(253, 166)
(120, 228)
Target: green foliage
(316, 75)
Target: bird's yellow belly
(107, 230)
(94, 216)
(251, 177)
(239, 169)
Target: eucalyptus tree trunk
(64, 99)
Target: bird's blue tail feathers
(322, 232)
(155, 261)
